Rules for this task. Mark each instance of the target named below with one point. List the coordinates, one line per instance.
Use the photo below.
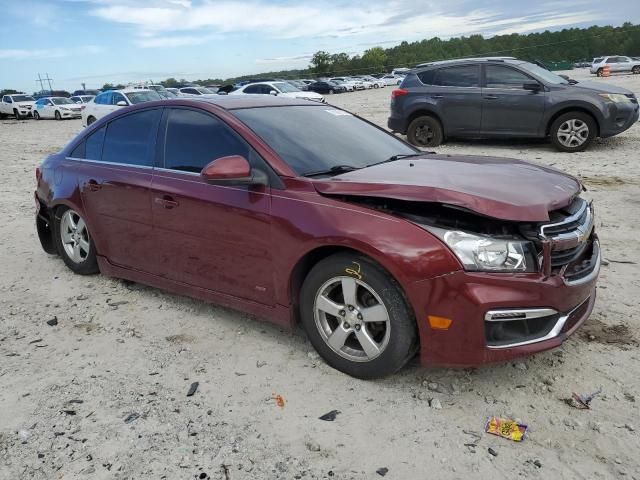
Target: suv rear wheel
(425, 131)
(573, 131)
(356, 317)
(636, 69)
(599, 72)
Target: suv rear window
(459, 76)
(427, 76)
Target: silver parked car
(616, 64)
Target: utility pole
(41, 81)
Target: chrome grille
(569, 237)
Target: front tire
(356, 317)
(90, 120)
(425, 131)
(17, 114)
(36, 115)
(73, 242)
(573, 131)
(57, 115)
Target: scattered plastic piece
(506, 428)
(582, 402)
(131, 417)
(52, 322)
(382, 471)
(492, 452)
(192, 389)
(330, 417)
(279, 399)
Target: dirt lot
(102, 394)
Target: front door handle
(93, 185)
(437, 96)
(167, 202)
(491, 97)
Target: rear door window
(118, 97)
(459, 76)
(130, 139)
(194, 139)
(498, 76)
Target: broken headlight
(484, 253)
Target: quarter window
(498, 76)
(129, 139)
(427, 76)
(117, 97)
(461, 76)
(194, 139)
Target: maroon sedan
(297, 211)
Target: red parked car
(297, 211)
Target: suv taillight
(398, 92)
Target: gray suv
(493, 97)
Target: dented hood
(501, 188)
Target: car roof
(234, 102)
(509, 60)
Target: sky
(121, 41)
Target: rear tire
(425, 131)
(36, 115)
(372, 331)
(573, 131)
(90, 120)
(636, 69)
(599, 72)
(57, 115)
(73, 242)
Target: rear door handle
(167, 202)
(93, 185)
(437, 96)
(491, 97)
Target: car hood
(501, 188)
(600, 87)
(26, 103)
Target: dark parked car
(507, 98)
(378, 250)
(327, 87)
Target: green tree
(321, 62)
(374, 59)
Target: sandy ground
(102, 394)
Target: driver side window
(194, 139)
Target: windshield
(61, 101)
(22, 98)
(204, 91)
(331, 138)
(143, 96)
(544, 74)
(285, 87)
(86, 98)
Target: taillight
(398, 92)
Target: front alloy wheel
(356, 316)
(352, 319)
(573, 131)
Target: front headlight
(615, 97)
(64, 108)
(484, 253)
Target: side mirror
(121, 103)
(533, 86)
(273, 92)
(232, 170)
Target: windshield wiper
(399, 156)
(335, 170)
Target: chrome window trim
(101, 162)
(183, 172)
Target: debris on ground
(192, 389)
(330, 416)
(382, 471)
(52, 322)
(435, 403)
(582, 402)
(131, 417)
(492, 452)
(279, 399)
(506, 428)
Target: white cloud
(25, 54)
(166, 23)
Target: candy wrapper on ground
(505, 428)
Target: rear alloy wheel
(356, 317)
(600, 72)
(425, 132)
(573, 131)
(74, 243)
(636, 69)
(36, 115)
(331, 91)
(90, 120)
(58, 116)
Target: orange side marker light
(439, 323)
